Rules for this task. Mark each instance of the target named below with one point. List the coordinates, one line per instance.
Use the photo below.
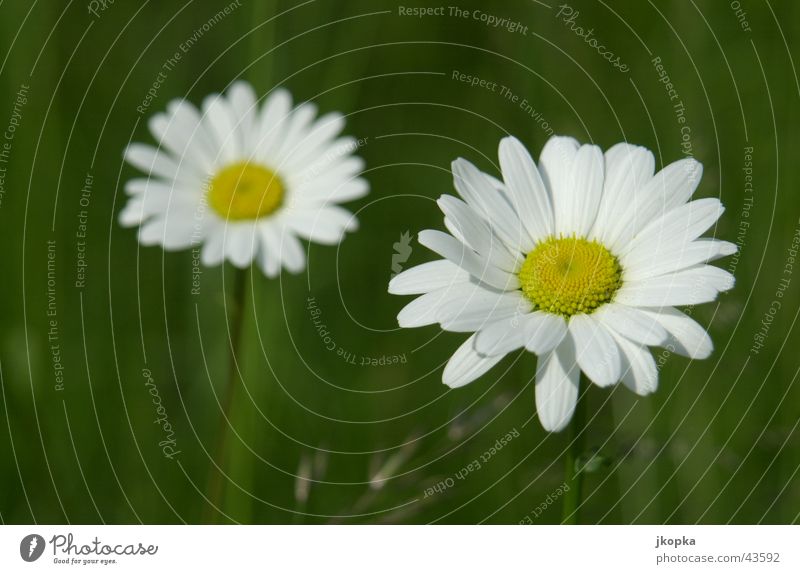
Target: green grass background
(717, 443)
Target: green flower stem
(573, 474)
(215, 481)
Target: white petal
(298, 125)
(555, 167)
(172, 233)
(133, 213)
(318, 185)
(326, 225)
(164, 201)
(632, 323)
(419, 312)
(555, 162)
(240, 243)
(139, 185)
(454, 230)
(181, 131)
(474, 309)
(639, 371)
(151, 161)
(317, 141)
(491, 204)
(272, 124)
(525, 187)
(450, 248)
(669, 188)
(716, 248)
(691, 286)
(466, 365)
(269, 254)
(719, 279)
(346, 191)
(538, 331)
(627, 169)
(501, 337)
(292, 253)
(687, 337)
(596, 350)
(242, 101)
(152, 186)
(680, 226)
(221, 124)
(668, 257)
(496, 183)
(213, 252)
(424, 310)
(584, 197)
(427, 277)
(152, 232)
(667, 290)
(557, 376)
(676, 183)
(544, 332)
(477, 234)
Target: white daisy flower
(581, 261)
(244, 180)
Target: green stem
(573, 475)
(215, 481)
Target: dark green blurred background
(717, 443)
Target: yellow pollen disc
(245, 190)
(570, 275)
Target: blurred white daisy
(581, 261)
(244, 180)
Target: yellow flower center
(245, 190)
(570, 275)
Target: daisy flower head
(581, 260)
(244, 180)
